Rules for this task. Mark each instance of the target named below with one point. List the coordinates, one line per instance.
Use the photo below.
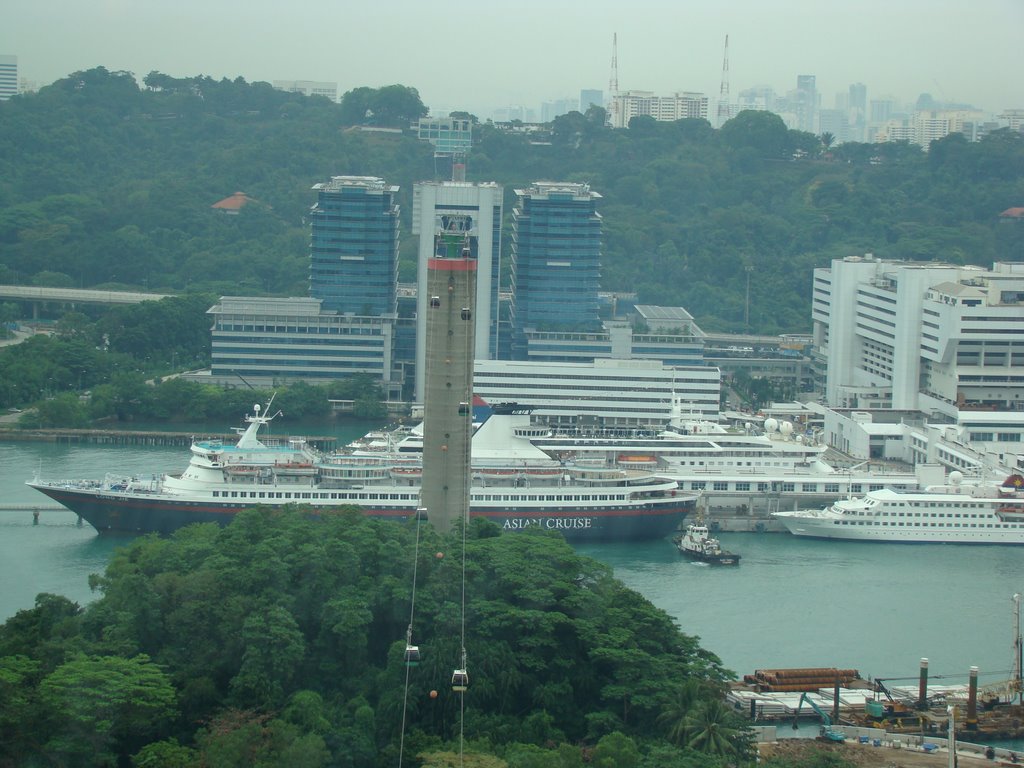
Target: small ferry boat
(697, 543)
(954, 513)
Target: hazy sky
(480, 54)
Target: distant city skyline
(460, 56)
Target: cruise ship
(956, 512)
(735, 470)
(514, 484)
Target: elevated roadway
(75, 295)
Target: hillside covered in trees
(280, 641)
(106, 183)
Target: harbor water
(791, 602)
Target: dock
(861, 707)
(146, 438)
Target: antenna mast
(723, 91)
(613, 83)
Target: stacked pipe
(806, 679)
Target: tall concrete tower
(480, 203)
(448, 412)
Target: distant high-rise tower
(481, 205)
(8, 77)
(590, 98)
(354, 246)
(556, 259)
(858, 108)
(448, 411)
(806, 102)
(613, 83)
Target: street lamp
(951, 735)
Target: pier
(121, 437)
(35, 509)
(27, 507)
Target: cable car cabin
(412, 655)
(460, 680)
(435, 301)
(463, 409)
(466, 314)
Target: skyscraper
(354, 246)
(590, 97)
(806, 102)
(8, 77)
(556, 259)
(858, 107)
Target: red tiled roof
(233, 203)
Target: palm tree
(688, 695)
(827, 140)
(713, 729)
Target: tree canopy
(109, 184)
(281, 635)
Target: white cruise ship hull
(818, 528)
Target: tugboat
(697, 543)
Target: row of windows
(615, 385)
(263, 367)
(723, 485)
(351, 496)
(1001, 437)
(928, 525)
(332, 330)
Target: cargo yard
(845, 709)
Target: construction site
(847, 706)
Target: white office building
(8, 77)
(263, 341)
(682, 104)
(482, 202)
(308, 88)
(942, 339)
(606, 392)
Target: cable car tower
(448, 384)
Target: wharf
(729, 520)
(122, 437)
(776, 696)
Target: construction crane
(830, 733)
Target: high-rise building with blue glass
(354, 246)
(556, 260)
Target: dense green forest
(106, 183)
(125, 358)
(279, 641)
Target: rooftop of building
(545, 188)
(234, 203)
(373, 184)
